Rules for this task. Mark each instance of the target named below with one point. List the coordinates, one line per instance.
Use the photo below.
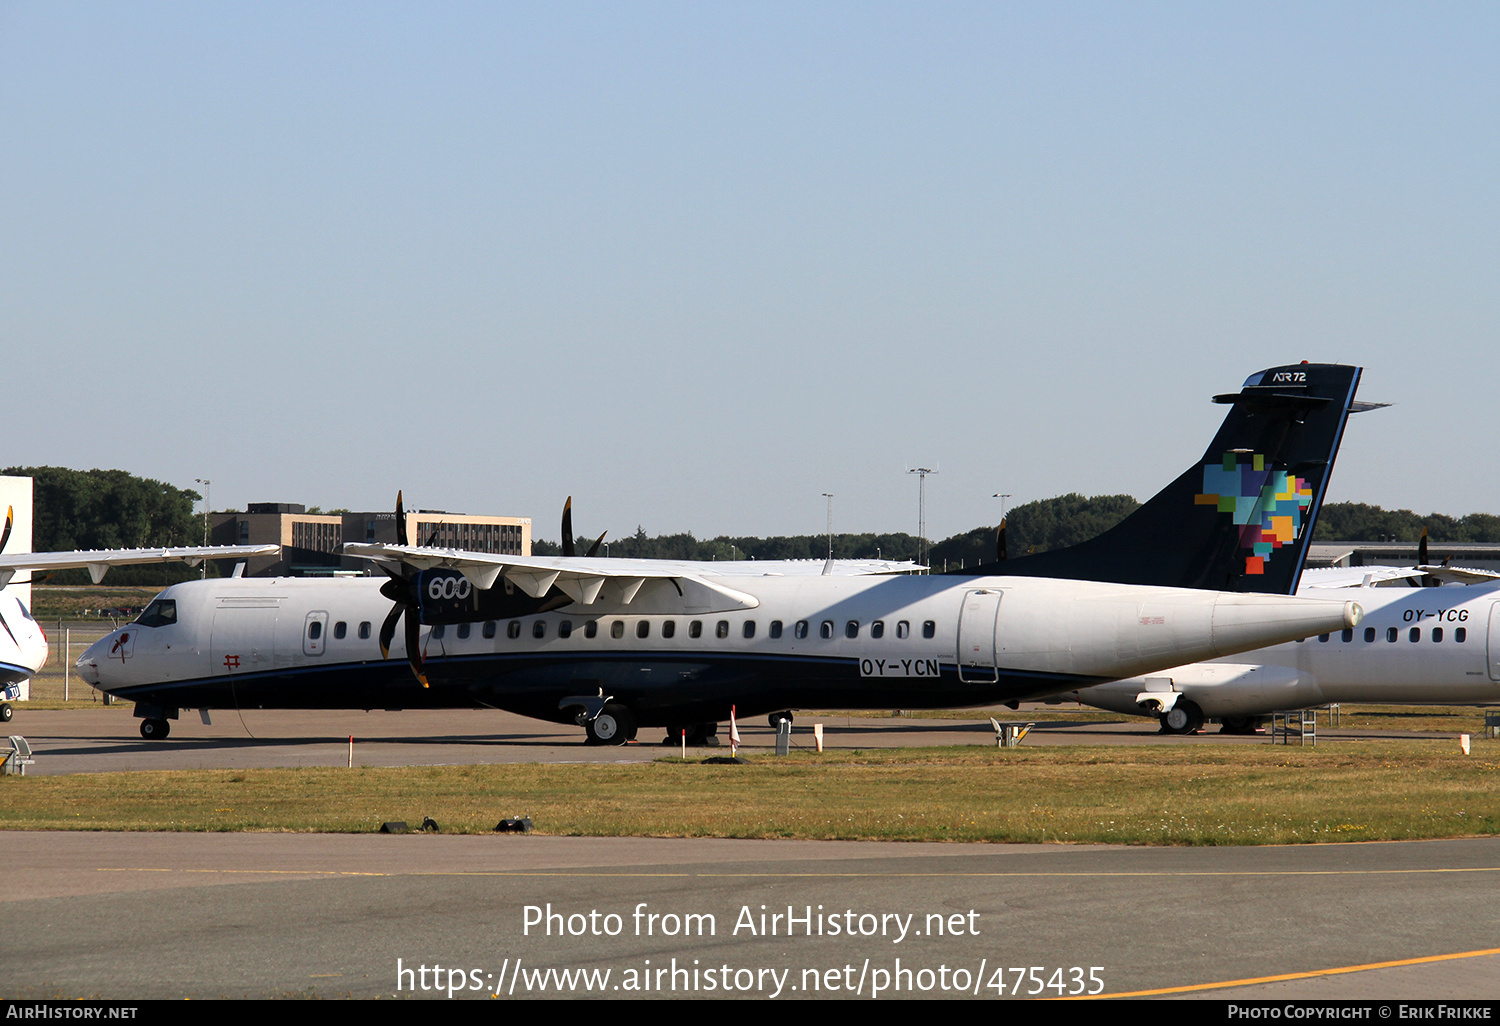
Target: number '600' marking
(449, 588)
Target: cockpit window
(160, 613)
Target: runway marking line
(1291, 976)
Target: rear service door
(976, 637)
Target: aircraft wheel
(776, 717)
(155, 730)
(1238, 725)
(614, 725)
(1183, 718)
(6, 712)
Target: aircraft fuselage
(799, 642)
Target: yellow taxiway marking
(1294, 976)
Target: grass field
(1177, 795)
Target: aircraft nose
(87, 665)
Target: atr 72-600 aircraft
(616, 644)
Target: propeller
(401, 590)
(10, 521)
(1000, 553)
(568, 548)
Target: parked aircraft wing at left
(98, 561)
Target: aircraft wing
(1358, 576)
(1355, 576)
(581, 578)
(98, 561)
(1460, 575)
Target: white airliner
(616, 644)
(1415, 646)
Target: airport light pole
(829, 497)
(205, 482)
(1002, 496)
(922, 473)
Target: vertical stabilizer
(1239, 519)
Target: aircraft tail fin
(1239, 519)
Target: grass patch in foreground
(1384, 790)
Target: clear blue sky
(699, 263)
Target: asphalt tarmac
(132, 916)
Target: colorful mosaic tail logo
(1269, 505)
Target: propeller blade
(595, 547)
(400, 520)
(388, 629)
(567, 528)
(414, 648)
(1000, 540)
(10, 521)
(1422, 549)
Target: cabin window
(721, 629)
(825, 630)
(851, 629)
(160, 613)
(1437, 634)
(695, 629)
(775, 629)
(340, 629)
(1459, 634)
(463, 631)
(1415, 634)
(1392, 633)
(903, 629)
(800, 630)
(565, 629)
(668, 628)
(314, 630)
(877, 629)
(539, 628)
(929, 628)
(437, 632)
(617, 629)
(1347, 635)
(749, 628)
(591, 629)
(489, 629)
(364, 631)
(513, 630)
(643, 628)
(1369, 633)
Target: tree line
(107, 509)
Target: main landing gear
(614, 725)
(6, 712)
(776, 718)
(1185, 717)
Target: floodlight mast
(205, 482)
(922, 473)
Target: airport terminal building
(311, 542)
